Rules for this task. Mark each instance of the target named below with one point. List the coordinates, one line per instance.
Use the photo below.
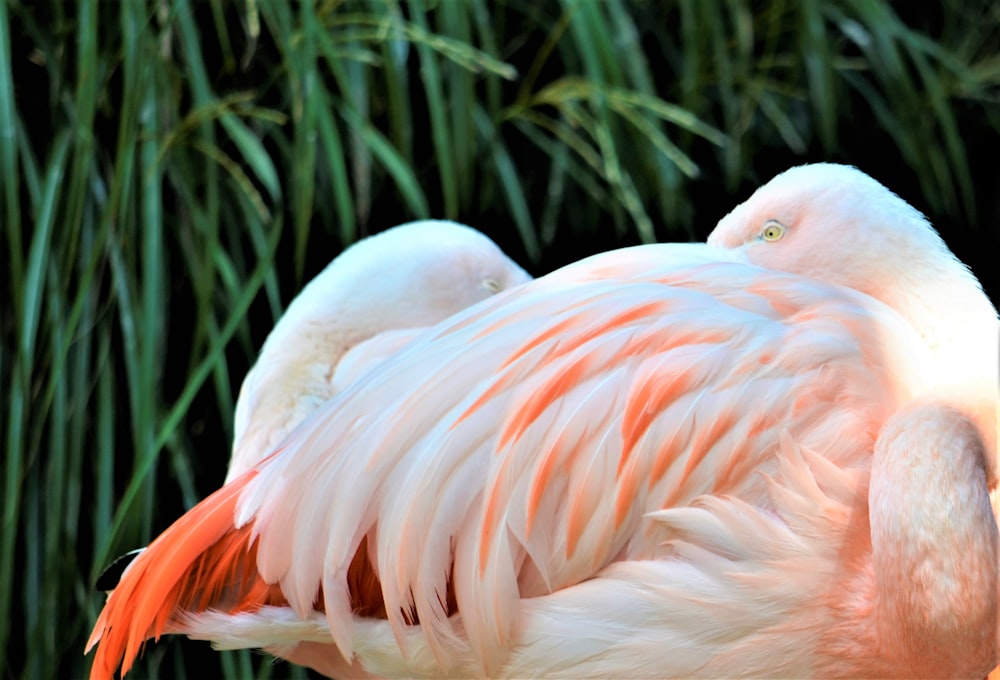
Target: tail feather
(202, 561)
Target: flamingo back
(521, 446)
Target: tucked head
(835, 223)
(408, 277)
(416, 274)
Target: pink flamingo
(667, 461)
(362, 307)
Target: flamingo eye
(772, 231)
(492, 285)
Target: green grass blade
(32, 289)
(454, 21)
(41, 249)
(507, 174)
(336, 164)
(8, 166)
(254, 154)
(394, 164)
(440, 121)
(813, 44)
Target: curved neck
(934, 544)
(292, 377)
(959, 324)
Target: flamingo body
(654, 462)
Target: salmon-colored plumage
(671, 460)
(201, 561)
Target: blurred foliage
(174, 170)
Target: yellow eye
(772, 231)
(492, 285)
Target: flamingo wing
(745, 591)
(518, 448)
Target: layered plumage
(654, 462)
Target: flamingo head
(408, 277)
(413, 275)
(835, 223)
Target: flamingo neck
(934, 544)
(300, 363)
(291, 379)
(959, 325)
